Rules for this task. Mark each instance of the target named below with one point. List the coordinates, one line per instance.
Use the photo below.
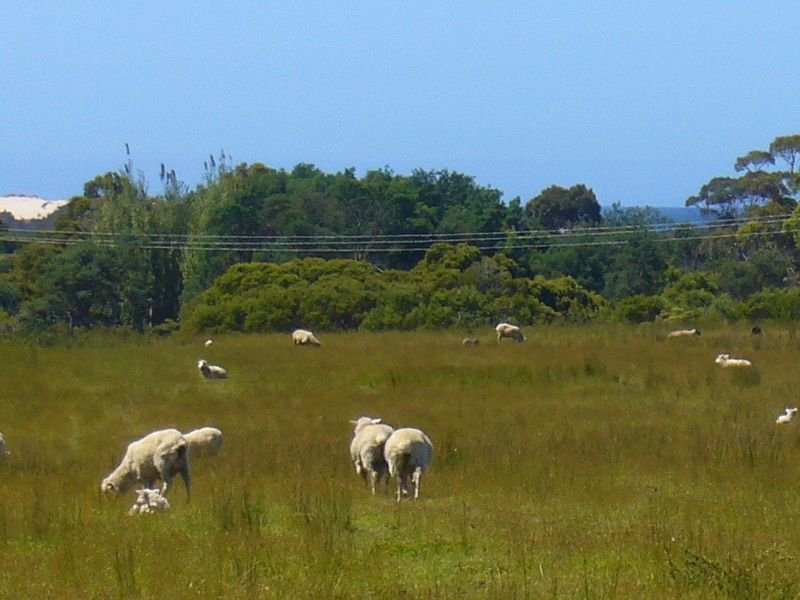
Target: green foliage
(452, 286)
(639, 308)
(557, 207)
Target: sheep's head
(202, 363)
(362, 422)
(109, 488)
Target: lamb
(303, 337)
(205, 441)
(4, 453)
(211, 371)
(160, 455)
(366, 449)
(787, 416)
(408, 452)
(470, 341)
(148, 502)
(725, 360)
(506, 330)
(683, 333)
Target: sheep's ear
(353, 422)
(376, 421)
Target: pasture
(590, 461)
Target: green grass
(588, 462)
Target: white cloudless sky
(644, 102)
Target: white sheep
(366, 449)
(408, 452)
(205, 441)
(211, 371)
(787, 416)
(208, 342)
(158, 455)
(725, 360)
(4, 453)
(683, 333)
(506, 330)
(303, 337)
(149, 501)
(470, 341)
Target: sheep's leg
(416, 478)
(373, 479)
(184, 472)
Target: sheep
(205, 441)
(366, 449)
(725, 360)
(470, 341)
(211, 371)
(408, 452)
(149, 501)
(683, 333)
(787, 416)
(4, 453)
(208, 342)
(160, 455)
(303, 337)
(506, 330)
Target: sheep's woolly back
(408, 447)
(507, 330)
(157, 456)
(303, 337)
(683, 333)
(211, 371)
(204, 441)
(725, 360)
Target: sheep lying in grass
(683, 333)
(506, 330)
(725, 360)
(158, 455)
(787, 416)
(366, 449)
(4, 453)
(205, 441)
(470, 341)
(408, 452)
(211, 371)
(149, 502)
(303, 337)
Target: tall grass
(592, 462)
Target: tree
(786, 147)
(557, 207)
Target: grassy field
(588, 462)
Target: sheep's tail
(396, 460)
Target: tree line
(254, 248)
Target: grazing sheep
(211, 371)
(205, 441)
(208, 342)
(303, 337)
(725, 360)
(408, 453)
(787, 416)
(4, 453)
(366, 449)
(506, 330)
(756, 330)
(470, 341)
(158, 455)
(683, 333)
(148, 502)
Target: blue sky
(642, 102)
